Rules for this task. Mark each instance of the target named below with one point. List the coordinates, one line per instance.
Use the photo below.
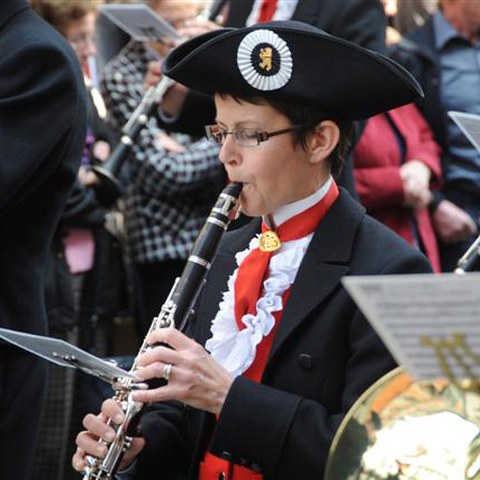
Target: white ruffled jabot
(235, 349)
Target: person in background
(83, 240)
(278, 350)
(360, 21)
(405, 16)
(172, 179)
(396, 167)
(42, 133)
(443, 54)
(86, 279)
(76, 20)
(412, 14)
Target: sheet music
(139, 21)
(469, 124)
(64, 354)
(414, 313)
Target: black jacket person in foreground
(42, 132)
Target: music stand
(140, 22)
(66, 355)
(469, 124)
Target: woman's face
(177, 13)
(81, 35)
(274, 173)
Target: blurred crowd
(113, 262)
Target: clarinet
(174, 314)
(108, 189)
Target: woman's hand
(174, 98)
(154, 74)
(97, 427)
(195, 378)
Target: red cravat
(253, 269)
(267, 10)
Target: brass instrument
(401, 429)
(173, 314)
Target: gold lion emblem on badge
(266, 58)
(269, 241)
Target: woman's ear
(323, 140)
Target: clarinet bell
(107, 189)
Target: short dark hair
(310, 117)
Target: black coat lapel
(323, 266)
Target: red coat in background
(377, 162)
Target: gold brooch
(269, 241)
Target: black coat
(324, 355)
(360, 21)
(42, 131)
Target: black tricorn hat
(294, 62)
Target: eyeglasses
(244, 136)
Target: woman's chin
(251, 210)
(251, 203)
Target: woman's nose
(229, 152)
